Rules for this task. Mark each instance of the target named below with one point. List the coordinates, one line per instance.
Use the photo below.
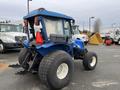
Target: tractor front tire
(90, 61)
(56, 70)
(24, 54)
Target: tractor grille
(20, 38)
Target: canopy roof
(43, 12)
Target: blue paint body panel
(78, 43)
(51, 47)
(47, 13)
(26, 43)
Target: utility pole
(90, 18)
(28, 6)
(83, 26)
(28, 10)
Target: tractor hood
(83, 37)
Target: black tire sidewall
(87, 61)
(3, 47)
(22, 55)
(118, 41)
(52, 76)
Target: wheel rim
(1, 47)
(62, 71)
(93, 61)
(119, 42)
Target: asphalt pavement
(106, 76)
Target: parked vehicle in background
(117, 37)
(108, 41)
(11, 36)
(78, 35)
(114, 35)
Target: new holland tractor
(50, 50)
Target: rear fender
(51, 47)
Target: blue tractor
(51, 51)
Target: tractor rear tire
(24, 54)
(90, 61)
(56, 70)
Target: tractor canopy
(48, 23)
(43, 12)
(50, 31)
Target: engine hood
(9, 37)
(13, 34)
(80, 36)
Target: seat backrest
(58, 38)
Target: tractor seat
(56, 38)
(33, 43)
(38, 41)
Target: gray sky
(107, 10)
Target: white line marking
(116, 56)
(103, 83)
